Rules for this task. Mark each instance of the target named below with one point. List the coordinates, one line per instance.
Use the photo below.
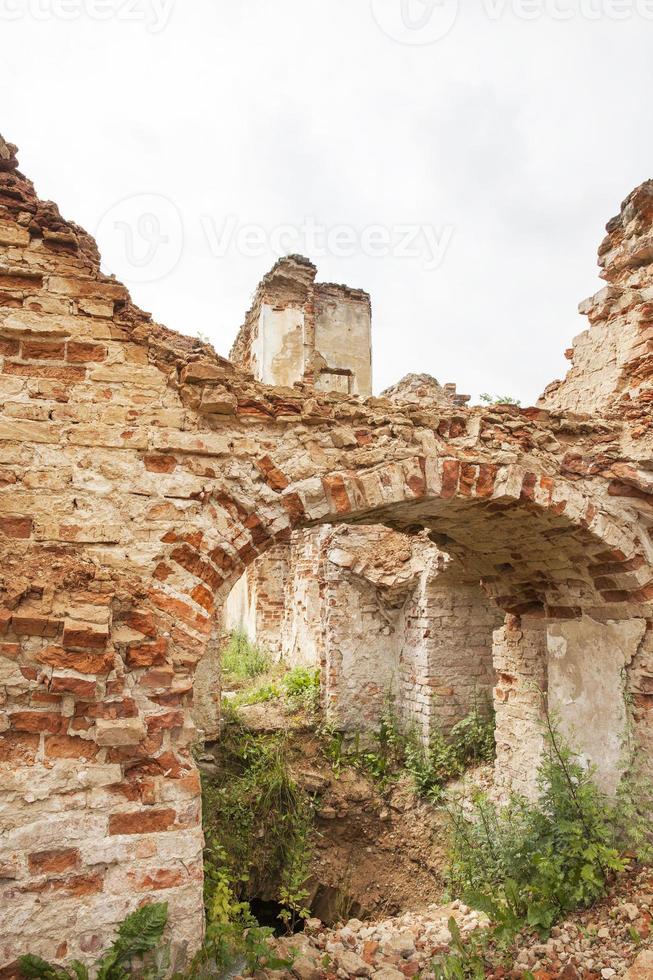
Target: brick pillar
(446, 655)
(520, 659)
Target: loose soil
(376, 854)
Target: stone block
(120, 731)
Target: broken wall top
(273, 457)
(299, 330)
(612, 361)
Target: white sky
(168, 124)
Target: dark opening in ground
(267, 914)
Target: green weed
(257, 823)
(243, 660)
(527, 864)
(138, 938)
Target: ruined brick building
(381, 613)
(142, 474)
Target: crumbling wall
(344, 621)
(639, 681)
(300, 330)
(368, 572)
(582, 673)
(445, 660)
(301, 621)
(588, 667)
(426, 391)
(520, 661)
(342, 360)
(360, 659)
(612, 361)
(141, 474)
(207, 687)
(392, 619)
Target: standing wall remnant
(300, 330)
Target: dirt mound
(376, 854)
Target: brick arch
(141, 474)
(539, 544)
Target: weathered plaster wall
(302, 634)
(383, 614)
(278, 346)
(588, 667)
(520, 662)
(141, 474)
(300, 330)
(361, 662)
(240, 607)
(386, 615)
(583, 671)
(343, 340)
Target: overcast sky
(459, 164)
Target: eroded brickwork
(302, 635)
(520, 661)
(399, 621)
(344, 593)
(141, 474)
(612, 361)
(445, 658)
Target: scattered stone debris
(610, 940)
(397, 947)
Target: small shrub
(232, 933)
(259, 695)
(300, 687)
(466, 960)
(488, 399)
(243, 660)
(470, 742)
(431, 767)
(230, 945)
(229, 712)
(472, 738)
(633, 808)
(384, 759)
(527, 864)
